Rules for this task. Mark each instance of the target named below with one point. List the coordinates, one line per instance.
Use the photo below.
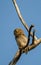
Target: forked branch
(35, 41)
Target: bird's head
(18, 32)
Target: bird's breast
(21, 41)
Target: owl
(20, 37)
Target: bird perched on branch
(22, 42)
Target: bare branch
(35, 41)
(16, 58)
(32, 46)
(21, 18)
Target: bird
(20, 37)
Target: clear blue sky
(31, 11)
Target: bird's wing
(16, 58)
